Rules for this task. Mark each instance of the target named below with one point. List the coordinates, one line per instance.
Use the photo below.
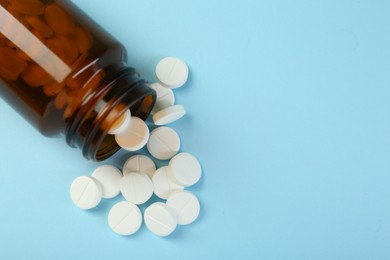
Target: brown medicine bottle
(66, 75)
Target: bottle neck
(88, 127)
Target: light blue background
(288, 111)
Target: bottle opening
(89, 127)
(108, 145)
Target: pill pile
(139, 178)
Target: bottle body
(66, 75)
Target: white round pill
(172, 72)
(160, 219)
(163, 186)
(109, 177)
(125, 218)
(163, 143)
(186, 205)
(85, 192)
(165, 97)
(184, 169)
(139, 163)
(169, 115)
(136, 188)
(122, 124)
(135, 136)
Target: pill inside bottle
(67, 76)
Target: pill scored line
(158, 222)
(165, 95)
(171, 185)
(138, 162)
(123, 219)
(163, 142)
(172, 69)
(185, 205)
(82, 193)
(137, 135)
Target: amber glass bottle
(66, 75)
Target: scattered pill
(139, 163)
(85, 192)
(169, 115)
(125, 218)
(109, 177)
(135, 136)
(163, 143)
(121, 124)
(163, 186)
(160, 219)
(184, 169)
(186, 205)
(172, 72)
(136, 188)
(139, 178)
(165, 97)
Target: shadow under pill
(141, 232)
(103, 207)
(178, 234)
